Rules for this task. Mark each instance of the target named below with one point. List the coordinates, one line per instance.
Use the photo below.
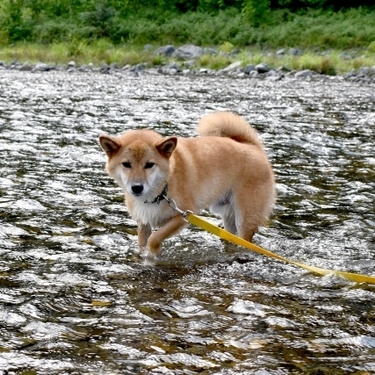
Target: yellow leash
(224, 234)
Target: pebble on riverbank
(186, 56)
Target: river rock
(134, 70)
(364, 71)
(104, 69)
(26, 67)
(249, 68)
(171, 69)
(188, 52)
(115, 66)
(84, 69)
(165, 50)
(345, 55)
(234, 66)
(262, 68)
(41, 67)
(364, 75)
(209, 51)
(304, 73)
(273, 75)
(139, 68)
(294, 51)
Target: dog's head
(139, 161)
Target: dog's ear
(109, 145)
(167, 146)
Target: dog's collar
(161, 196)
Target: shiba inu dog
(225, 169)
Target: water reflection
(74, 297)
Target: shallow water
(74, 296)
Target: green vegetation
(116, 31)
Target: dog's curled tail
(230, 125)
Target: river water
(76, 299)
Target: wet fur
(225, 169)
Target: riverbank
(356, 65)
(323, 41)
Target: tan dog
(226, 169)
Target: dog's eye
(126, 164)
(149, 165)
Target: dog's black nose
(137, 189)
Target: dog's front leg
(144, 232)
(171, 227)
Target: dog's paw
(140, 250)
(149, 259)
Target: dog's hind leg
(252, 210)
(247, 225)
(247, 231)
(224, 207)
(229, 220)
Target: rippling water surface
(74, 296)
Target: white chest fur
(154, 214)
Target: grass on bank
(104, 52)
(350, 28)
(99, 52)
